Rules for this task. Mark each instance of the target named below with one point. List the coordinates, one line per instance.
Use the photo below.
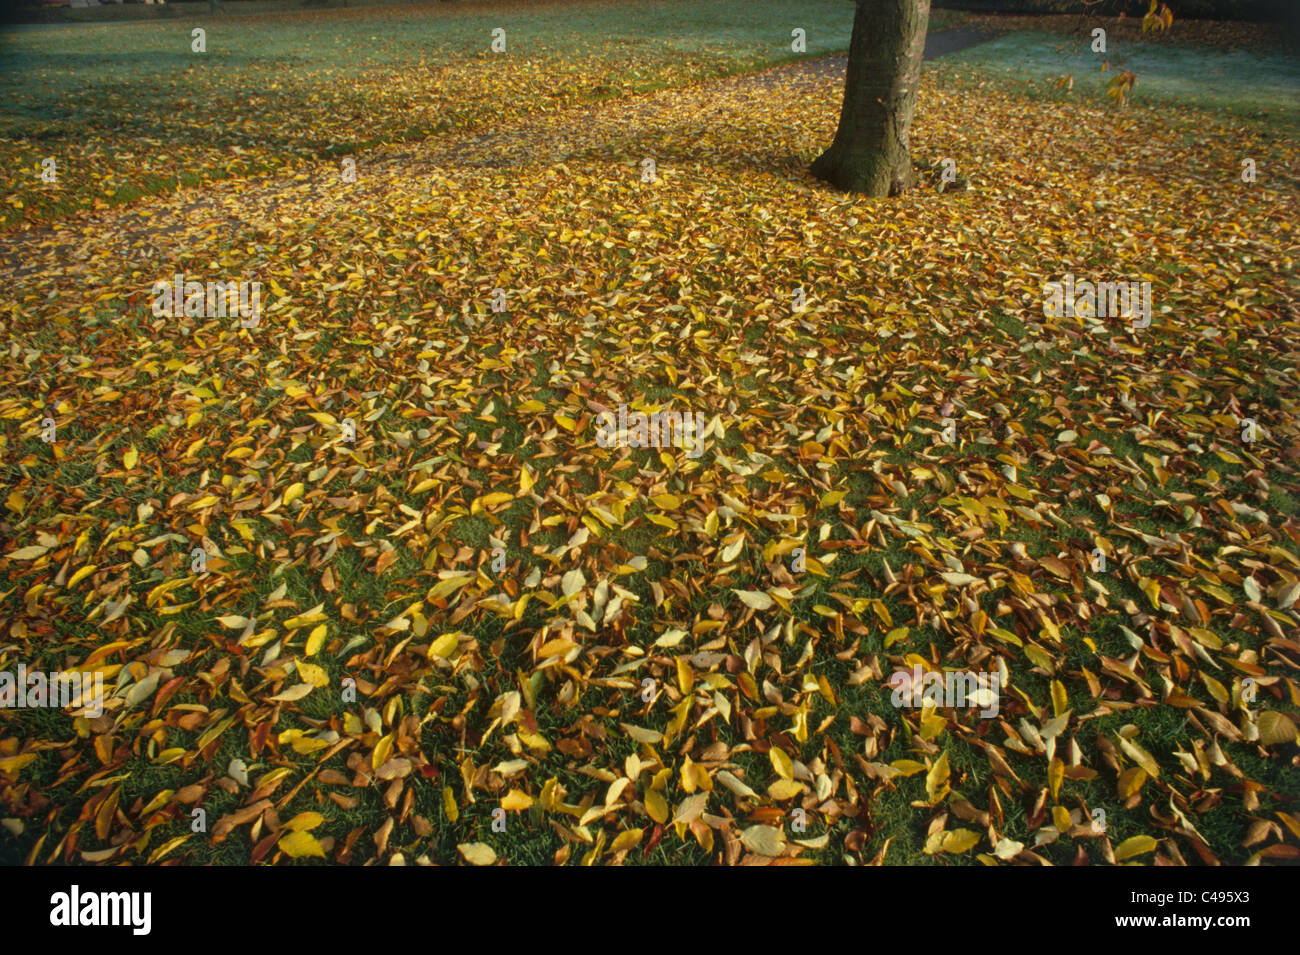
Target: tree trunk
(869, 153)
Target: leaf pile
(648, 672)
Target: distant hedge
(1187, 9)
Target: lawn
(128, 109)
(366, 585)
(1260, 82)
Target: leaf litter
(648, 673)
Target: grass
(1261, 85)
(130, 110)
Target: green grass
(1254, 85)
(129, 110)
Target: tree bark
(869, 153)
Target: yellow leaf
(555, 648)
(295, 491)
(731, 550)
(626, 840)
(960, 840)
(1055, 773)
(516, 800)
(490, 500)
(572, 582)
(314, 640)
(908, 767)
(656, 806)
(1140, 756)
(130, 457)
(781, 762)
(1061, 818)
(313, 674)
(449, 586)
(1135, 846)
(936, 780)
(314, 615)
(292, 694)
(763, 840)
(81, 574)
(445, 645)
(784, 789)
(755, 599)
(326, 419)
(383, 749)
(703, 781)
(301, 843)
(1130, 781)
(932, 723)
(685, 676)
(477, 853)
(27, 553)
(899, 633)
(1276, 728)
(449, 804)
(688, 776)
(14, 763)
(1060, 701)
(304, 821)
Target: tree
(869, 153)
